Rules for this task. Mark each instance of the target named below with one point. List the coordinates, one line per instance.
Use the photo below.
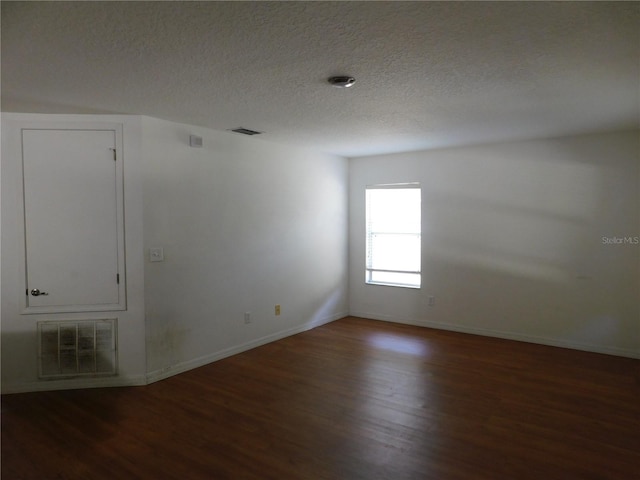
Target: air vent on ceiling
(245, 131)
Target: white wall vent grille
(84, 348)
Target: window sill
(397, 285)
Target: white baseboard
(129, 381)
(139, 380)
(75, 383)
(172, 370)
(620, 352)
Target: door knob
(35, 292)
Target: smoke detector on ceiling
(341, 81)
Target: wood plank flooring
(354, 399)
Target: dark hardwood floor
(354, 399)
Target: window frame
(369, 270)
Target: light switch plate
(156, 254)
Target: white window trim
(369, 271)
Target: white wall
(512, 241)
(19, 345)
(245, 224)
(512, 245)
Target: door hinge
(114, 154)
(118, 278)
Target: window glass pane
(395, 278)
(395, 252)
(394, 210)
(393, 236)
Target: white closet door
(74, 241)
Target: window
(393, 235)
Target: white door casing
(73, 219)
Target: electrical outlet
(431, 301)
(277, 309)
(156, 254)
(247, 317)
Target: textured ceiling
(429, 74)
